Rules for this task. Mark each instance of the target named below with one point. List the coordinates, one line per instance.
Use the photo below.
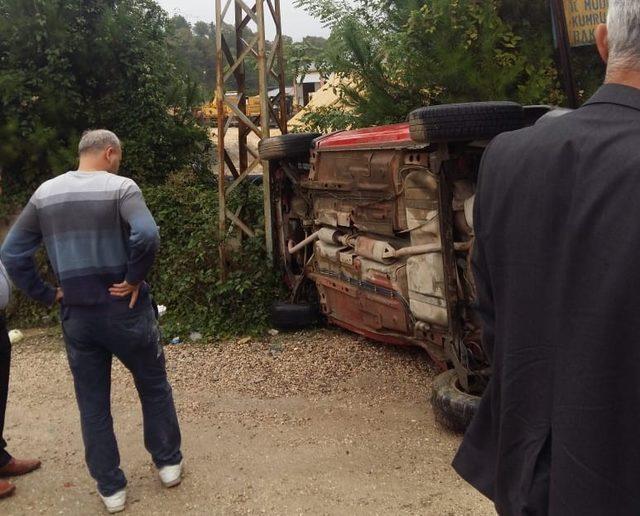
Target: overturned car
(374, 231)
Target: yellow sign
(582, 18)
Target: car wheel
(453, 408)
(287, 146)
(465, 122)
(293, 316)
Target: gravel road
(311, 423)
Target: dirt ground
(309, 423)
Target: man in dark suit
(9, 466)
(557, 265)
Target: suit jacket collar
(616, 94)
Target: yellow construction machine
(209, 111)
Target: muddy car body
(375, 228)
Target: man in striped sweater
(101, 241)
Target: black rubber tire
(292, 317)
(453, 408)
(287, 146)
(464, 122)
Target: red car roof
(384, 135)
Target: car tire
(293, 316)
(465, 122)
(287, 146)
(453, 408)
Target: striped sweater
(97, 231)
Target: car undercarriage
(375, 228)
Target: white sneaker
(115, 502)
(171, 476)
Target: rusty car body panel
(382, 227)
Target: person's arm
(484, 303)
(144, 238)
(484, 298)
(5, 287)
(18, 252)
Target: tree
(194, 50)
(302, 56)
(531, 21)
(401, 54)
(70, 65)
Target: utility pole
(231, 76)
(564, 52)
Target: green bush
(24, 312)
(186, 276)
(326, 119)
(403, 54)
(71, 65)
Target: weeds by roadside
(186, 277)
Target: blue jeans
(134, 339)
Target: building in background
(306, 85)
(328, 96)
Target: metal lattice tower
(230, 76)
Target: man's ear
(602, 41)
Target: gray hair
(98, 140)
(623, 26)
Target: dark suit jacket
(557, 265)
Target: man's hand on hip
(125, 289)
(59, 295)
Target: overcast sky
(295, 22)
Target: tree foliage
(531, 21)
(194, 49)
(69, 65)
(402, 54)
(302, 56)
(186, 277)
